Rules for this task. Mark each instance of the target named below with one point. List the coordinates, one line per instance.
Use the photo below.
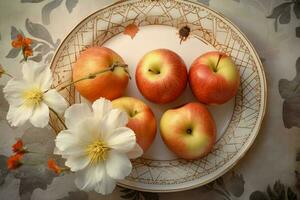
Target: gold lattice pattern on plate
(207, 26)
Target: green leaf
(43, 48)
(13, 33)
(137, 195)
(278, 192)
(297, 9)
(38, 31)
(291, 112)
(3, 169)
(13, 53)
(36, 58)
(289, 89)
(279, 10)
(71, 4)
(285, 17)
(130, 195)
(298, 31)
(279, 189)
(258, 195)
(236, 184)
(150, 196)
(291, 195)
(47, 9)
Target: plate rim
(265, 94)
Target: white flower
(31, 97)
(97, 145)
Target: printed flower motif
(18, 147)
(31, 97)
(14, 161)
(97, 145)
(2, 71)
(23, 43)
(52, 165)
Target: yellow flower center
(97, 151)
(33, 97)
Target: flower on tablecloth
(30, 98)
(52, 165)
(23, 43)
(18, 147)
(97, 145)
(14, 161)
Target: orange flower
(27, 51)
(2, 71)
(18, 147)
(21, 42)
(52, 165)
(14, 161)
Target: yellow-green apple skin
(110, 85)
(189, 131)
(161, 76)
(141, 119)
(214, 82)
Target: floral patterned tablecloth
(269, 171)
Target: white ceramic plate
(238, 121)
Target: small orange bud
(18, 147)
(52, 165)
(14, 161)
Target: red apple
(161, 76)
(141, 119)
(214, 78)
(110, 85)
(189, 131)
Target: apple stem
(189, 131)
(94, 75)
(154, 71)
(220, 56)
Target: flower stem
(59, 118)
(220, 56)
(94, 75)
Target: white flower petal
(55, 101)
(88, 178)
(13, 91)
(112, 120)
(31, 70)
(44, 79)
(106, 186)
(118, 166)
(68, 144)
(88, 130)
(122, 139)
(40, 116)
(17, 116)
(75, 114)
(77, 162)
(101, 107)
(136, 152)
